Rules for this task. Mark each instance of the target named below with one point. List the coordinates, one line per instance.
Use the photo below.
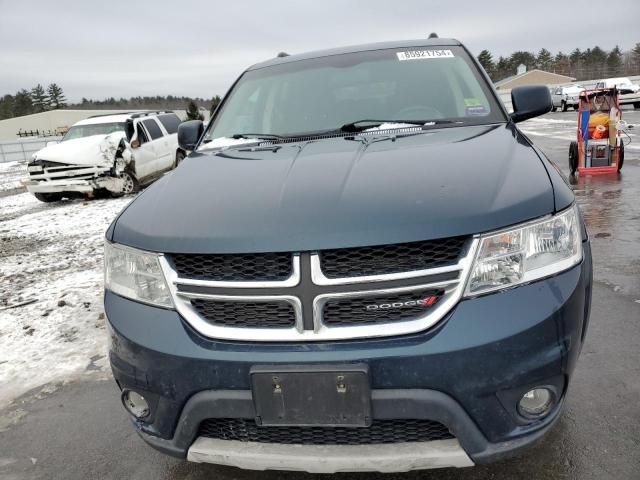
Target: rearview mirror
(530, 101)
(189, 133)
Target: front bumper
(45, 183)
(463, 373)
(629, 98)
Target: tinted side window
(153, 128)
(170, 122)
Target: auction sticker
(424, 54)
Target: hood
(93, 150)
(338, 192)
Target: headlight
(136, 275)
(527, 252)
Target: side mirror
(189, 133)
(530, 101)
(135, 143)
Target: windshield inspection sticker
(424, 54)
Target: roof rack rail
(155, 112)
(110, 114)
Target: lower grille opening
(380, 308)
(246, 314)
(380, 432)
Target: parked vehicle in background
(376, 276)
(629, 91)
(108, 153)
(565, 97)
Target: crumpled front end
(97, 166)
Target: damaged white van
(107, 154)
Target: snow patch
(52, 324)
(10, 175)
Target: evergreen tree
(562, 64)
(502, 69)
(486, 60)
(56, 96)
(39, 99)
(527, 59)
(193, 113)
(544, 60)
(6, 107)
(22, 104)
(614, 62)
(215, 101)
(635, 52)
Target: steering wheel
(419, 112)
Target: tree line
(40, 99)
(590, 64)
(35, 100)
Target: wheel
(554, 108)
(573, 157)
(49, 197)
(564, 106)
(621, 156)
(636, 105)
(575, 108)
(130, 183)
(179, 158)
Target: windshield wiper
(365, 124)
(263, 136)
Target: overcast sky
(184, 47)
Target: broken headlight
(135, 274)
(526, 252)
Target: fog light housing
(536, 403)
(135, 404)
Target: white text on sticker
(424, 54)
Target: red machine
(599, 148)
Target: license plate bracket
(316, 395)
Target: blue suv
(362, 265)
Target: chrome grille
(233, 301)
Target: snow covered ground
(52, 324)
(10, 175)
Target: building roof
(424, 42)
(550, 78)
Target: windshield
(322, 94)
(79, 131)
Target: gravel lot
(59, 410)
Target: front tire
(554, 108)
(48, 197)
(573, 157)
(130, 184)
(621, 156)
(564, 106)
(636, 105)
(179, 158)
